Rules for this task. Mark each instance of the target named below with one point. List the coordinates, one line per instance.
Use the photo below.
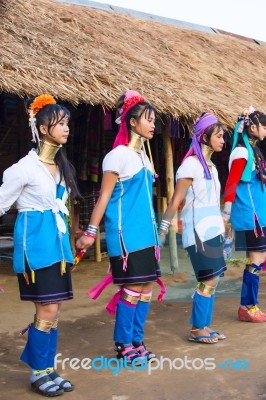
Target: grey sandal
(53, 375)
(35, 387)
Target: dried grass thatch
(86, 55)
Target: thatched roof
(80, 54)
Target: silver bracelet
(164, 225)
(92, 229)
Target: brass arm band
(145, 298)
(252, 270)
(130, 299)
(55, 324)
(43, 325)
(206, 289)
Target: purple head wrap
(200, 127)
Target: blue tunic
(40, 234)
(249, 203)
(129, 218)
(38, 240)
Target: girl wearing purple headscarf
(203, 228)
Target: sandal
(251, 314)
(141, 349)
(53, 375)
(35, 387)
(221, 335)
(198, 339)
(129, 353)
(215, 333)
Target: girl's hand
(78, 234)
(84, 242)
(226, 212)
(162, 236)
(228, 229)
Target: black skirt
(247, 240)
(207, 258)
(142, 267)
(49, 287)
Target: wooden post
(97, 249)
(169, 169)
(158, 182)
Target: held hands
(88, 237)
(226, 213)
(163, 230)
(162, 236)
(84, 242)
(228, 229)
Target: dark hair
(136, 111)
(258, 118)
(50, 116)
(210, 130)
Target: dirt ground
(231, 369)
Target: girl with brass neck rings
(130, 226)
(197, 185)
(40, 184)
(245, 199)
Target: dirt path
(86, 332)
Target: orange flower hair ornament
(38, 103)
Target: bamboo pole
(97, 248)
(169, 169)
(158, 182)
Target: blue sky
(244, 17)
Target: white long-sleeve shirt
(40, 232)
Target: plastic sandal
(129, 353)
(197, 339)
(252, 314)
(35, 387)
(141, 349)
(53, 375)
(222, 336)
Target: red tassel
(79, 255)
(163, 289)
(95, 292)
(157, 252)
(125, 257)
(26, 278)
(24, 330)
(111, 306)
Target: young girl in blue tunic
(131, 234)
(39, 185)
(245, 200)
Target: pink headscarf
(200, 127)
(132, 98)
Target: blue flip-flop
(218, 333)
(197, 339)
